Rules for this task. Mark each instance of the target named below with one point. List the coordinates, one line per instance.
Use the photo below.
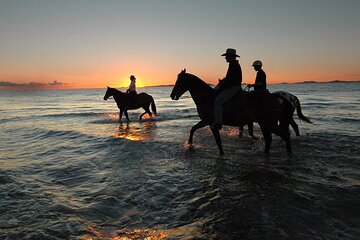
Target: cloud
(356, 75)
(4, 84)
(56, 83)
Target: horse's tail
(153, 106)
(299, 112)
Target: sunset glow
(92, 44)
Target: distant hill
(333, 81)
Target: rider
(227, 87)
(131, 91)
(260, 84)
(132, 86)
(260, 80)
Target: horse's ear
(183, 71)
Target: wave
(109, 117)
(113, 117)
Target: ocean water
(70, 170)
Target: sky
(94, 44)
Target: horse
(240, 110)
(141, 100)
(294, 103)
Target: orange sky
(92, 44)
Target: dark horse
(294, 103)
(240, 111)
(141, 100)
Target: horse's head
(109, 92)
(181, 86)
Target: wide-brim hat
(230, 52)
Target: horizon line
(69, 87)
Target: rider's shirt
(233, 75)
(132, 87)
(260, 78)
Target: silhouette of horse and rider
(225, 104)
(131, 100)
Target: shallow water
(70, 170)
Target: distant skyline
(92, 44)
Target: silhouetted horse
(240, 110)
(141, 100)
(294, 103)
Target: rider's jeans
(224, 96)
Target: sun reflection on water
(135, 131)
(125, 234)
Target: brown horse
(242, 109)
(141, 100)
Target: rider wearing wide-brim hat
(227, 87)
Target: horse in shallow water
(294, 103)
(141, 100)
(240, 110)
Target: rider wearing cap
(260, 80)
(227, 87)
(260, 91)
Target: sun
(124, 82)
(139, 83)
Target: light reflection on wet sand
(125, 234)
(189, 231)
(135, 131)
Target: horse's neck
(199, 90)
(118, 96)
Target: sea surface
(70, 170)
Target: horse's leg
(216, 134)
(147, 111)
(285, 134)
(267, 137)
(251, 129)
(241, 130)
(294, 126)
(141, 115)
(200, 124)
(250, 126)
(120, 114)
(126, 115)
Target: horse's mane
(115, 90)
(199, 82)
